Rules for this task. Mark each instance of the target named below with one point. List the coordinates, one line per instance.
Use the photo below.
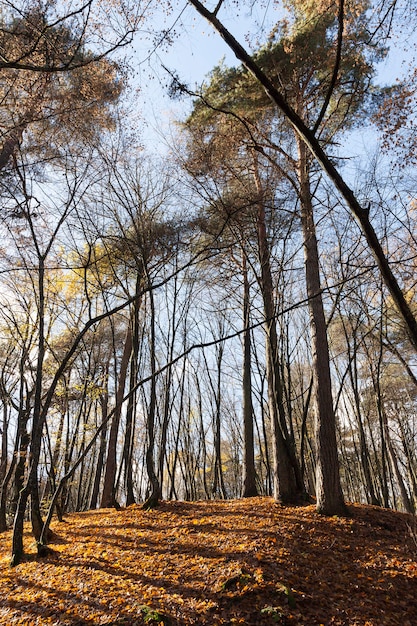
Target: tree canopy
(235, 318)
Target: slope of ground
(211, 563)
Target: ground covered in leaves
(210, 563)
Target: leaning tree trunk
(20, 448)
(17, 465)
(31, 488)
(328, 487)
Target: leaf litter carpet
(215, 563)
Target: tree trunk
(155, 487)
(37, 421)
(328, 488)
(31, 487)
(20, 448)
(17, 465)
(4, 440)
(108, 498)
(407, 440)
(363, 446)
(104, 401)
(288, 483)
(408, 505)
(249, 472)
(167, 391)
(131, 411)
(218, 479)
(202, 436)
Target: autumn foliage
(245, 561)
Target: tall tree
(222, 158)
(140, 242)
(29, 204)
(324, 81)
(311, 138)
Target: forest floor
(211, 563)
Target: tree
(96, 28)
(241, 216)
(138, 244)
(35, 261)
(312, 140)
(249, 471)
(14, 359)
(317, 103)
(41, 112)
(41, 230)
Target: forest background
(233, 314)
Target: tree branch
(340, 19)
